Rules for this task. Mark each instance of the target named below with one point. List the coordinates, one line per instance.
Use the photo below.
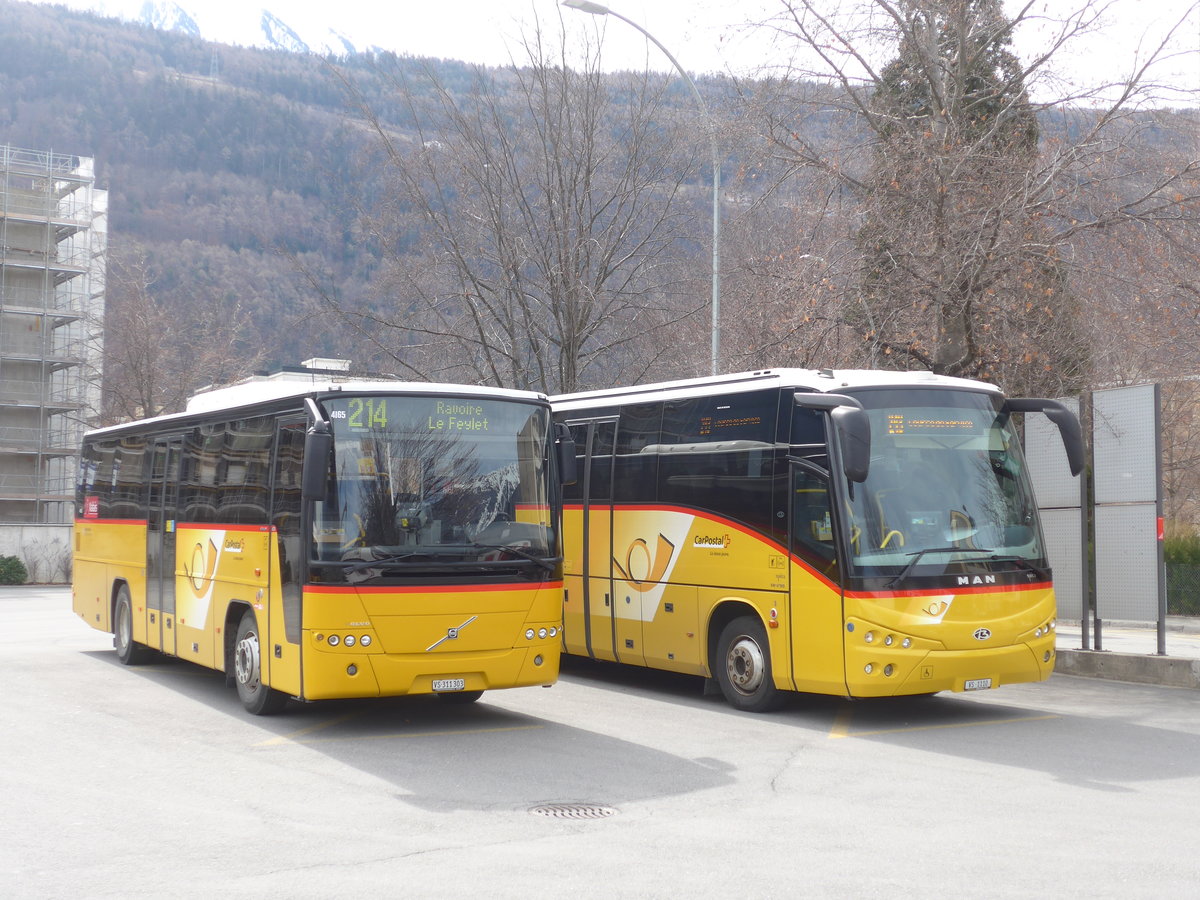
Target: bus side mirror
(564, 445)
(852, 427)
(1067, 422)
(315, 475)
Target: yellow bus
(331, 540)
(853, 533)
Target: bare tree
(533, 228)
(966, 251)
(159, 351)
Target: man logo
(983, 634)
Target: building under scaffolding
(53, 236)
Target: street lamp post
(598, 9)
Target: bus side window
(812, 522)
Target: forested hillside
(547, 226)
(221, 162)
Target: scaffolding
(53, 238)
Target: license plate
(457, 684)
(977, 684)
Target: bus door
(589, 620)
(163, 487)
(816, 583)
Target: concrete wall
(45, 550)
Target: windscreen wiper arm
(916, 558)
(547, 563)
(1024, 563)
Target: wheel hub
(745, 665)
(246, 661)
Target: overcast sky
(704, 35)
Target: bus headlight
(529, 634)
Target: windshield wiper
(382, 561)
(916, 558)
(547, 563)
(1023, 563)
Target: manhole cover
(573, 811)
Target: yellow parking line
(841, 725)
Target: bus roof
(822, 380)
(255, 393)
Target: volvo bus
(852, 533)
(330, 540)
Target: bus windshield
(435, 482)
(947, 489)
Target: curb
(1170, 671)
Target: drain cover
(573, 811)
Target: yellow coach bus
(337, 539)
(853, 533)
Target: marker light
(869, 637)
(888, 641)
(906, 643)
(869, 668)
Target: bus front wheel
(743, 666)
(129, 652)
(258, 699)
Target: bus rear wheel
(258, 699)
(743, 666)
(129, 652)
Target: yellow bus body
(669, 573)
(417, 635)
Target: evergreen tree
(959, 275)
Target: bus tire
(129, 652)
(460, 698)
(743, 666)
(256, 697)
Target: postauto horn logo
(643, 570)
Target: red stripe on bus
(216, 526)
(431, 588)
(956, 590)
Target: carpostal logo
(235, 544)
(710, 542)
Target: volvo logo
(451, 634)
(983, 634)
